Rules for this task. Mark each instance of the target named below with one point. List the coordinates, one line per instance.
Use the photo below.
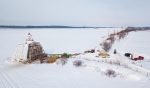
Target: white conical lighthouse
(28, 51)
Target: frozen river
(68, 76)
(53, 40)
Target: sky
(75, 12)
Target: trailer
(138, 58)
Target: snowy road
(6, 81)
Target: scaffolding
(29, 51)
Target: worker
(115, 51)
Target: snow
(136, 43)
(90, 75)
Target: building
(29, 51)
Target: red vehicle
(138, 58)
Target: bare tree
(110, 73)
(106, 45)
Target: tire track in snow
(6, 81)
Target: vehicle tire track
(6, 81)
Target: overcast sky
(75, 12)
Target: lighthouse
(28, 51)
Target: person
(115, 51)
(29, 37)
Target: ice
(90, 75)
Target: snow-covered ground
(90, 75)
(137, 43)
